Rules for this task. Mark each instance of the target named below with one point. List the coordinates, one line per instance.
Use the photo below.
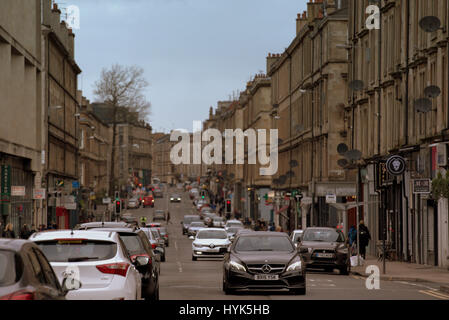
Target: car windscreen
(297, 237)
(156, 233)
(323, 235)
(212, 234)
(74, 250)
(132, 243)
(197, 224)
(263, 243)
(163, 230)
(11, 268)
(148, 233)
(188, 220)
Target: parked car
(231, 231)
(296, 237)
(325, 248)
(195, 227)
(158, 248)
(148, 201)
(175, 198)
(261, 260)
(157, 193)
(233, 223)
(164, 234)
(138, 246)
(212, 242)
(218, 222)
(133, 203)
(159, 215)
(26, 274)
(98, 258)
(187, 220)
(160, 240)
(106, 224)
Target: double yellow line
(435, 294)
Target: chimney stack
(301, 21)
(271, 59)
(313, 10)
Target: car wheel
(345, 270)
(300, 292)
(194, 258)
(226, 289)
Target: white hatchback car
(210, 242)
(97, 259)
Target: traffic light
(228, 205)
(117, 207)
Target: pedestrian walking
(352, 239)
(24, 232)
(364, 237)
(9, 232)
(168, 217)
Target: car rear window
(76, 250)
(133, 243)
(263, 243)
(11, 268)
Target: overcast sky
(194, 52)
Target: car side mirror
(191, 238)
(70, 285)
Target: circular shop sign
(396, 165)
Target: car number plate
(266, 277)
(324, 255)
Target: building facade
(22, 108)
(396, 65)
(62, 127)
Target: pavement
(403, 271)
(184, 279)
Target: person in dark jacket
(9, 232)
(364, 237)
(24, 232)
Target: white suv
(210, 242)
(97, 259)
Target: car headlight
(295, 266)
(236, 266)
(197, 245)
(171, 199)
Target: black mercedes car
(263, 261)
(325, 248)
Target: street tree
(122, 88)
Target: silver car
(133, 203)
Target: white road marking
(435, 294)
(179, 267)
(176, 246)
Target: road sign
(18, 191)
(422, 186)
(396, 165)
(75, 185)
(106, 200)
(59, 183)
(331, 198)
(39, 194)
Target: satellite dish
(356, 85)
(290, 174)
(430, 23)
(432, 92)
(353, 155)
(342, 148)
(343, 163)
(294, 164)
(423, 105)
